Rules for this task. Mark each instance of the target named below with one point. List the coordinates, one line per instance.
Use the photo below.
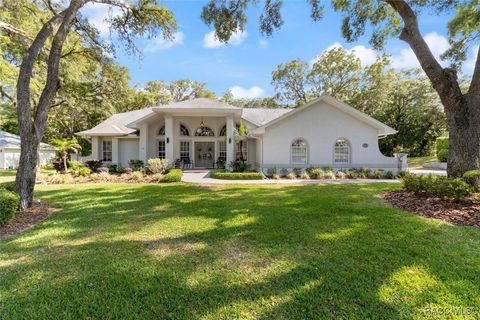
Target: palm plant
(64, 146)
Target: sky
(245, 64)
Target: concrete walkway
(423, 172)
(202, 178)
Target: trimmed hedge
(172, 175)
(438, 186)
(442, 149)
(225, 175)
(8, 205)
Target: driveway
(203, 178)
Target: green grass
(236, 252)
(7, 175)
(418, 162)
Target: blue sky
(245, 64)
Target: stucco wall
(321, 125)
(9, 158)
(127, 150)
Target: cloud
(367, 56)
(469, 65)
(210, 41)
(262, 43)
(242, 93)
(159, 43)
(438, 44)
(97, 14)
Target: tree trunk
(464, 136)
(64, 157)
(26, 173)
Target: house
(10, 151)
(324, 132)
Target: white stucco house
(10, 151)
(324, 132)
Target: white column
(115, 150)
(142, 145)
(95, 148)
(230, 141)
(169, 139)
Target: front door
(204, 154)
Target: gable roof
(261, 116)
(382, 128)
(12, 141)
(116, 125)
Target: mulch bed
(27, 219)
(464, 212)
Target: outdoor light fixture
(229, 140)
(168, 140)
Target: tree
(64, 147)
(136, 19)
(289, 80)
(336, 72)
(395, 18)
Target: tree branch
(4, 94)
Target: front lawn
(123, 251)
(7, 175)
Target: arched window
(204, 132)
(299, 151)
(161, 132)
(184, 131)
(341, 153)
(223, 132)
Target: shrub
(442, 149)
(225, 175)
(75, 165)
(8, 205)
(9, 185)
(309, 170)
(93, 164)
(58, 178)
(304, 176)
(58, 165)
(442, 155)
(472, 174)
(157, 177)
(173, 175)
(329, 175)
(102, 169)
(297, 171)
(136, 165)
(239, 166)
(388, 175)
(291, 176)
(113, 168)
(84, 171)
(137, 175)
(271, 172)
(284, 172)
(127, 170)
(95, 176)
(326, 168)
(340, 175)
(376, 174)
(157, 165)
(352, 174)
(438, 186)
(315, 173)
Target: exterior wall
(128, 149)
(321, 125)
(9, 158)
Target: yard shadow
(183, 252)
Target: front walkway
(203, 178)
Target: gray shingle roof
(261, 116)
(12, 141)
(117, 124)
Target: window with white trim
(204, 132)
(184, 150)
(241, 150)
(341, 152)
(222, 150)
(184, 131)
(107, 150)
(223, 132)
(299, 151)
(161, 132)
(161, 149)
